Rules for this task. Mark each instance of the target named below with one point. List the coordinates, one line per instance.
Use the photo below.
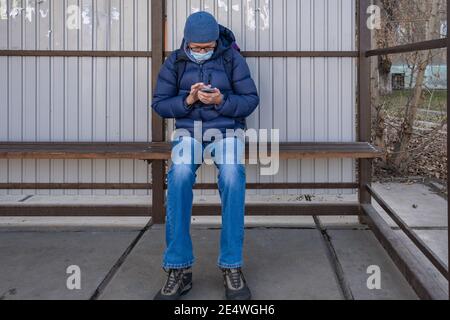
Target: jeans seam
(178, 265)
(229, 265)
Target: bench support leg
(158, 193)
(365, 176)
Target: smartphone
(208, 90)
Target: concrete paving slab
(341, 222)
(33, 264)
(280, 264)
(145, 199)
(439, 282)
(416, 204)
(259, 221)
(73, 223)
(89, 199)
(357, 250)
(437, 240)
(283, 198)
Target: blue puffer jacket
(240, 96)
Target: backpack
(228, 63)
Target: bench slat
(94, 150)
(161, 150)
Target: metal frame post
(158, 124)
(364, 104)
(448, 149)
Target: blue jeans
(231, 184)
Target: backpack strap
(228, 64)
(180, 67)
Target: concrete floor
(273, 272)
(290, 260)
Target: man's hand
(211, 98)
(193, 96)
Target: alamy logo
(263, 147)
(75, 16)
(374, 21)
(74, 279)
(374, 280)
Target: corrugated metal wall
(107, 99)
(75, 99)
(307, 99)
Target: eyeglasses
(200, 49)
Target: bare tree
(422, 60)
(403, 21)
(384, 37)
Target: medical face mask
(202, 56)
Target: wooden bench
(161, 150)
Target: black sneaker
(179, 282)
(235, 284)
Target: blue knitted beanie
(201, 27)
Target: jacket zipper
(201, 72)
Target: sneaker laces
(172, 280)
(235, 277)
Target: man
(206, 81)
